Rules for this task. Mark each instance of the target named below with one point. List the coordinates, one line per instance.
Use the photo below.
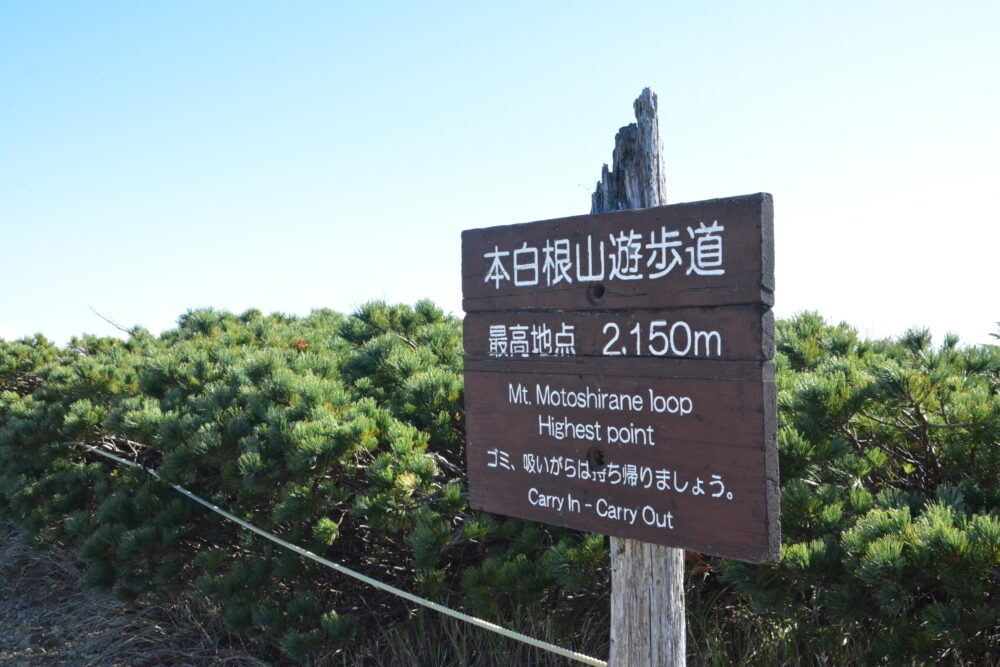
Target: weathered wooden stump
(647, 580)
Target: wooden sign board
(639, 402)
(713, 253)
(732, 332)
(671, 452)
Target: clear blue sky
(157, 157)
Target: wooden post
(647, 580)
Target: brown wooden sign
(618, 376)
(664, 451)
(732, 332)
(712, 253)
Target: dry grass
(46, 618)
(429, 638)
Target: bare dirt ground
(46, 618)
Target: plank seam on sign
(687, 298)
(653, 368)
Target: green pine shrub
(343, 435)
(890, 466)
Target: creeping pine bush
(345, 435)
(890, 466)
(342, 434)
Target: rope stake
(487, 625)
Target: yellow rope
(573, 655)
